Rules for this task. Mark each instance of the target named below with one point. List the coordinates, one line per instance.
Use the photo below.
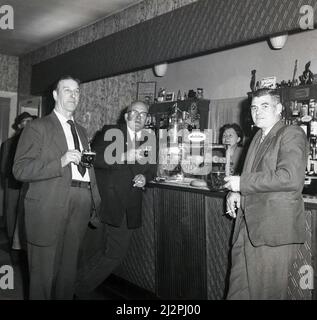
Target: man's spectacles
(134, 114)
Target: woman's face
(230, 137)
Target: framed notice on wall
(146, 91)
(32, 106)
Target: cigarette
(229, 211)
(141, 187)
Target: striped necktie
(81, 169)
(262, 137)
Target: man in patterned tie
(267, 202)
(61, 195)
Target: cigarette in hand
(230, 211)
(135, 185)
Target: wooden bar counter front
(182, 250)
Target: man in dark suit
(60, 197)
(121, 179)
(12, 187)
(270, 223)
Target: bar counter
(182, 250)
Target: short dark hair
(275, 94)
(236, 128)
(18, 120)
(66, 77)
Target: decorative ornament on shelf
(267, 83)
(313, 69)
(160, 69)
(279, 41)
(307, 76)
(294, 74)
(161, 95)
(252, 82)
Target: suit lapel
(265, 144)
(58, 133)
(249, 160)
(128, 143)
(135, 168)
(59, 139)
(127, 140)
(82, 136)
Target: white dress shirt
(132, 134)
(266, 132)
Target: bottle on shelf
(152, 122)
(305, 118)
(304, 126)
(313, 122)
(295, 110)
(304, 110)
(312, 169)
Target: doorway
(8, 112)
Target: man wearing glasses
(120, 183)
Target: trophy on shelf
(307, 76)
(253, 81)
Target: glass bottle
(313, 123)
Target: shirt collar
(132, 133)
(266, 132)
(61, 118)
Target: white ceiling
(38, 22)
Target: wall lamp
(160, 69)
(278, 42)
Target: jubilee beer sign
(6, 17)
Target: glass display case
(186, 154)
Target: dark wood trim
(199, 28)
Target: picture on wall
(32, 106)
(146, 91)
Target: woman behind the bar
(232, 135)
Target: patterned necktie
(262, 137)
(136, 141)
(80, 168)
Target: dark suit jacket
(38, 161)
(8, 149)
(118, 196)
(271, 187)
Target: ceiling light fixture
(160, 69)
(279, 41)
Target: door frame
(13, 96)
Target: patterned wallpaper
(102, 100)
(9, 70)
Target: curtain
(223, 111)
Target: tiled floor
(113, 288)
(17, 293)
